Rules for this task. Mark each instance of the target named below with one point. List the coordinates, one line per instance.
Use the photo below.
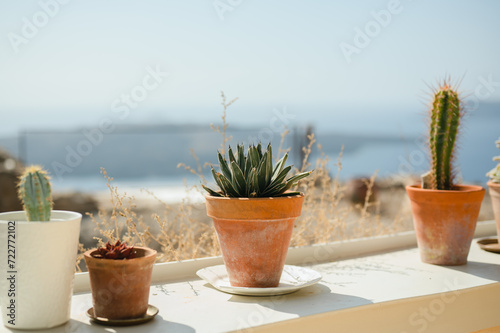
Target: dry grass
(183, 231)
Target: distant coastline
(152, 152)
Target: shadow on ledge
(308, 301)
(158, 324)
(479, 269)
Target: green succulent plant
(494, 173)
(35, 194)
(445, 115)
(252, 175)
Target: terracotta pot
(120, 288)
(445, 222)
(495, 200)
(254, 235)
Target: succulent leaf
(241, 158)
(227, 187)
(217, 178)
(248, 166)
(211, 191)
(282, 175)
(223, 166)
(253, 175)
(288, 194)
(254, 156)
(231, 155)
(259, 150)
(279, 166)
(275, 189)
(269, 165)
(261, 172)
(298, 177)
(239, 181)
(255, 182)
(294, 180)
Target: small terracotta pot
(445, 222)
(495, 200)
(254, 235)
(120, 288)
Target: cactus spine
(446, 112)
(35, 194)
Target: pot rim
(210, 197)
(250, 209)
(460, 188)
(61, 216)
(491, 183)
(152, 253)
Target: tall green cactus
(445, 115)
(35, 194)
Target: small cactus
(35, 194)
(445, 114)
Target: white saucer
(292, 279)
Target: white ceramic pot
(37, 269)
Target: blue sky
(87, 54)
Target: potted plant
(494, 187)
(120, 277)
(444, 213)
(37, 259)
(254, 213)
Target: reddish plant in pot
(120, 278)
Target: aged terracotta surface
(120, 288)
(495, 200)
(254, 235)
(445, 222)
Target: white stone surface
(358, 284)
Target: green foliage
(494, 173)
(35, 194)
(253, 175)
(445, 113)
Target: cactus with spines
(446, 112)
(35, 194)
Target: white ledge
(369, 285)
(301, 256)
